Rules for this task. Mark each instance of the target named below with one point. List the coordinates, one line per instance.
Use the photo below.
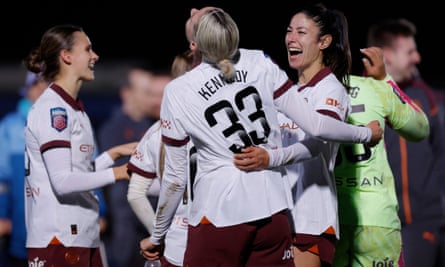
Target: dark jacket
(419, 167)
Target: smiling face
(402, 58)
(80, 57)
(304, 45)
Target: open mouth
(294, 51)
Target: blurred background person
(160, 80)
(417, 166)
(140, 92)
(12, 173)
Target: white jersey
(221, 118)
(60, 178)
(313, 181)
(145, 161)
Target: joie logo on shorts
(59, 118)
(288, 254)
(36, 263)
(385, 263)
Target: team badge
(59, 118)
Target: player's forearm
(173, 184)
(103, 161)
(417, 127)
(318, 125)
(169, 200)
(65, 181)
(137, 198)
(294, 153)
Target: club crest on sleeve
(59, 118)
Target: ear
(387, 55)
(325, 41)
(65, 55)
(193, 46)
(124, 93)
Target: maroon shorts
(166, 263)
(61, 256)
(322, 245)
(262, 243)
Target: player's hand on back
(252, 158)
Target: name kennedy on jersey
(211, 86)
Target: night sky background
(154, 30)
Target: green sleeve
(404, 116)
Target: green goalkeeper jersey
(365, 183)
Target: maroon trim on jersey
(196, 64)
(75, 104)
(318, 77)
(174, 142)
(54, 144)
(283, 89)
(329, 113)
(133, 168)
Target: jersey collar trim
(75, 104)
